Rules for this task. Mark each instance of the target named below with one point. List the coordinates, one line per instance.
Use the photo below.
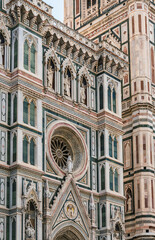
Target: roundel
(64, 140)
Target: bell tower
(68, 13)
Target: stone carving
(82, 95)
(67, 86)
(129, 203)
(69, 164)
(1, 52)
(51, 75)
(30, 231)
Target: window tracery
(30, 50)
(29, 111)
(29, 150)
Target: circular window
(61, 150)
(64, 140)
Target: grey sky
(58, 8)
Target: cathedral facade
(132, 25)
(74, 99)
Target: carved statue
(129, 203)
(82, 95)
(67, 86)
(69, 164)
(51, 74)
(1, 52)
(30, 231)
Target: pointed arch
(69, 64)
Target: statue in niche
(129, 201)
(30, 231)
(67, 86)
(69, 164)
(1, 52)
(51, 75)
(83, 91)
(67, 83)
(82, 95)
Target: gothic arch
(51, 54)
(69, 228)
(69, 64)
(30, 40)
(83, 72)
(4, 30)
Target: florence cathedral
(77, 120)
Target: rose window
(61, 150)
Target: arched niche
(51, 71)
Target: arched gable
(52, 54)
(4, 30)
(68, 63)
(83, 72)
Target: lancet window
(103, 216)
(113, 147)
(111, 99)
(113, 175)
(29, 112)
(29, 150)
(103, 178)
(30, 56)
(102, 144)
